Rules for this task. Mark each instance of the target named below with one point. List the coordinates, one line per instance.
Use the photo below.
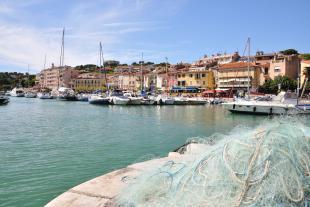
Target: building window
(190, 75)
(277, 69)
(183, 75)
(203, 75)
(204, 82)
(179, 76)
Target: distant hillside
(11, 80)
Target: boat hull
(32, 95)
(134, 101)
(262, 110)
(120, 101)
(193, 101)
(67, 98)
(99, 101)
(147, 102)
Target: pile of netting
(265, 166)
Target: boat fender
(254, 109)
(270, 111)
(234, 106)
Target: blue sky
(182, 30)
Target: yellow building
(237, 76)
(197, 78)
(89, 82)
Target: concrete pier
(101, 191)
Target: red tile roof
(236, 65)
(306, 61)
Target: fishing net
(265, 166)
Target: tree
(305, 56)
(271, 86)
(289, 52)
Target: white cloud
(86, 23)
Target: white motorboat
(83, 97)
(164, 100)
(44, 95)
(17, 92)
(66, 94)
(180, 100)
(98, 99)
(133, 100)
(8, 93)
(120, 100)
(4, 100)
(117, 98)
(283, 103)
(30, 94)
(147, 101)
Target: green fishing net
(264, 166)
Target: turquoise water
(49, 146)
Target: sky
(181, 30)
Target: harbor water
(49, 146)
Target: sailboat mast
(28, 77)
(62, 49)
(102, 64)
(44, 62)
(62, 54)
(166, 68)
(249, 53)
(141, 72)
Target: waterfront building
(166, 80)
(129, 81)
(196, 77)
(278, 64)
(236, 76)
(217, 59)
(284, 65)
(56, 77)
(89, 82)
(304, 70)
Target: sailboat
(29, 94)
(63, 93)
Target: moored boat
(30, 94)
(133, 100)
(83, 97)
(147, 101)
(66, 94)
(117, 98)
(4, 100)
(120, 100)
(282, 104)
(44, 95)
(17, 92)
(99, 99)
(197, 101)
(8, 93)
(179, 100)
